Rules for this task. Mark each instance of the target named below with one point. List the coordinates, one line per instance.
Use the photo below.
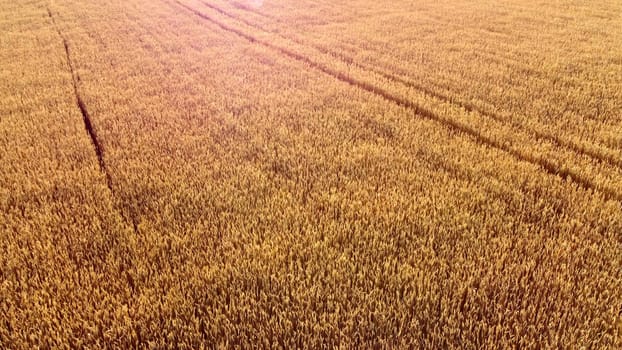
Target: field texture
(435, 174)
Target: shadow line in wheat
(543, 163)
(86, 117)
(469, 107)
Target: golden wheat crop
(310, 174)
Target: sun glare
(255, 4)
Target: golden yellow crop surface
(202, 174)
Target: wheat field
(234, 174)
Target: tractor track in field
(546, 165)
(86, 117)
(469, 107)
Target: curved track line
(469, 107)
(86, 118)
(546, 165)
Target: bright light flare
(250, 4)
